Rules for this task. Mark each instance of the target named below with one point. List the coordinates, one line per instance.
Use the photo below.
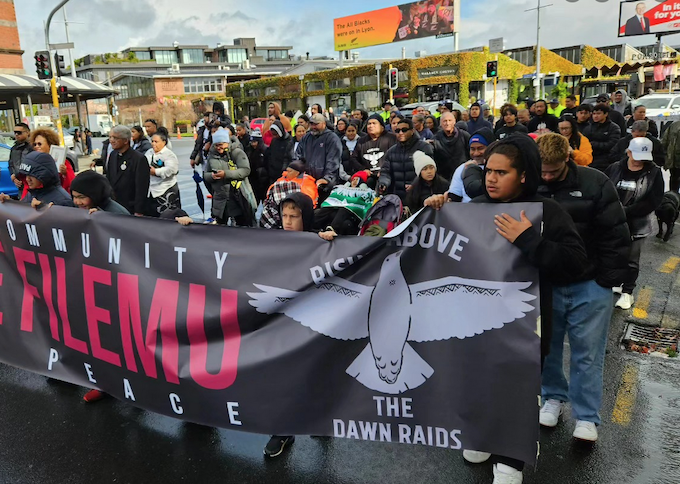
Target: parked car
(661, 104)
(407, 109)
(257, 123)
(6, 185)
(7, 138)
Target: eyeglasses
(18, 133)
(402, 130)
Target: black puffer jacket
(42, 166)
(450, 151)
(603, 137)
(398, 170)
(278, 156)
(591, 200)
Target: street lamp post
(538, 83)
(377, 69)
(53, 82)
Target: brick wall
(10, 46)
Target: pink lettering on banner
(69, 339)
(22, 258)
(47, 294)
(95, 314)
(163, 315)
(198, 348)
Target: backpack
(386, 213)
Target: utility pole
(538, 82)
(71, 58)
(53, 82)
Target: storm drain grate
(645, 339)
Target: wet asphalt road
(49, 435)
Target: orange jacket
(307, 186)
(583, 156)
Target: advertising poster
(415, 20)
(650, 17)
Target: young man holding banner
(512, 174)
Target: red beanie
(361, 174)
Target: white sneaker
(617, 289)
(550, 413)
(625, 301)
(503, 474)
(585, 431)
(475, 456)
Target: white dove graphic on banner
(392, 312)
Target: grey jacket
(222, 189)
(322, 154)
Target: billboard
(650, 17)
(415, 20)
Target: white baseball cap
(641, 149)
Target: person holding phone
(163, 170)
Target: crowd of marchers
(596, 170)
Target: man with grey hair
(419, 125)
(128, 171)
(639, 129)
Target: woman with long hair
(139, 141)
(42, 139)
(580, 149)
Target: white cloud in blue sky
(111, 25)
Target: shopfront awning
(19, 86)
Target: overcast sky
(112, 25)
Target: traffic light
(42, 64)
(492, 69)
(393, 78)
(62, 91)
(59, 66)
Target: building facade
(244, 54)
(10, 48)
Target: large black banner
(426, 338)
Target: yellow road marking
(670, 265)
(668, 321)
(625, 397)
(642, 304)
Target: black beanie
(92, 185)
(378, 118)
(297, 165)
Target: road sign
(496, 45)
(62, 46)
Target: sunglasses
(18, 132)
(402, 130)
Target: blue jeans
(582, 311)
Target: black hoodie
(555, 248)
(279, 155)
(98, 189)
(306, 206)
(43, 167)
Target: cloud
(111, 25)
